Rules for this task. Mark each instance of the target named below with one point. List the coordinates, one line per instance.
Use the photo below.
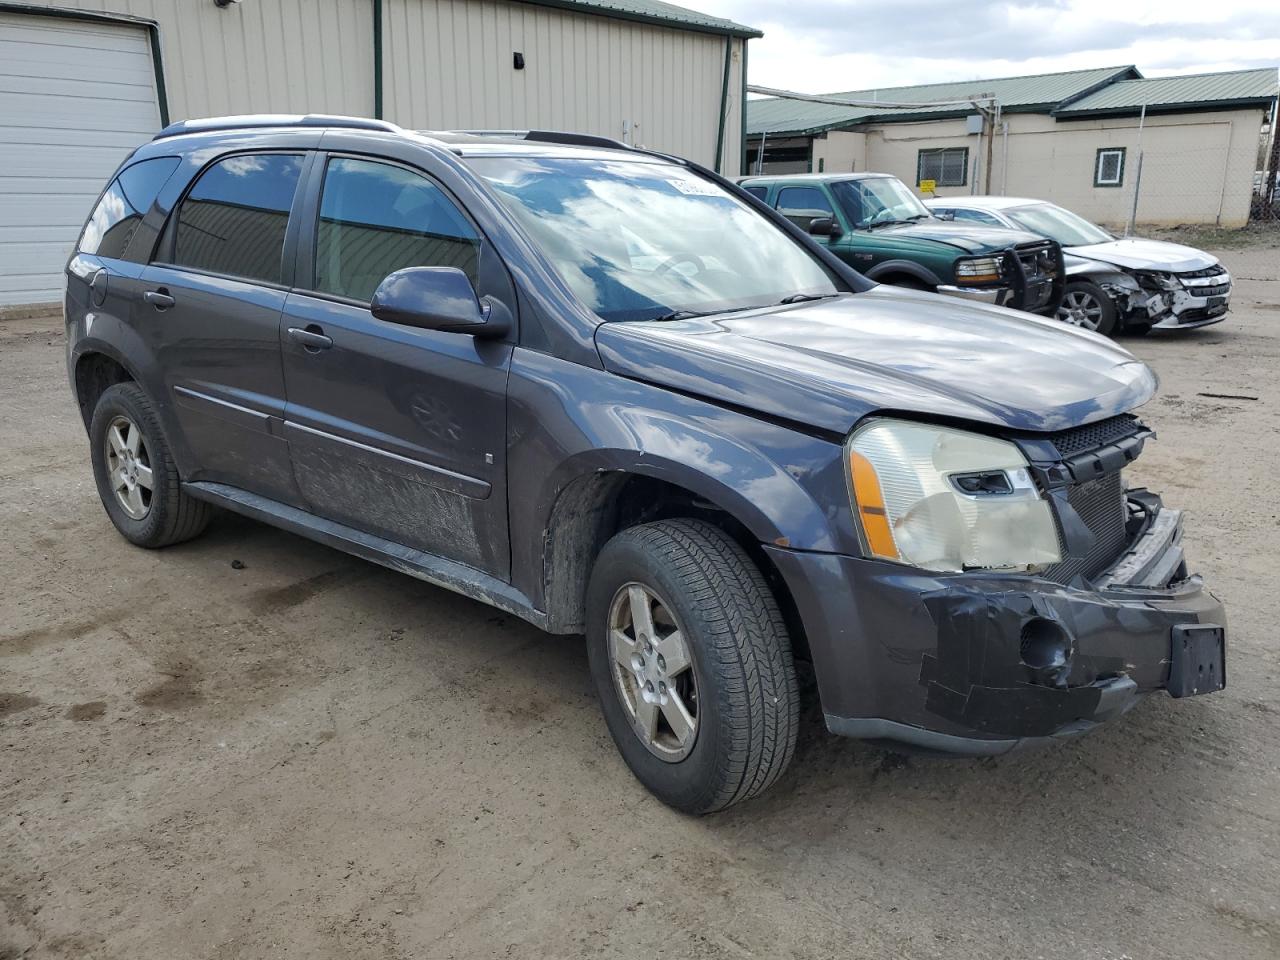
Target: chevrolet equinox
(612, 393)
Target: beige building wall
(840, 151)
(448, 64)
(1196, 168)
(261, 56)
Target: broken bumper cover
(981, 664)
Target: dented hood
(829, 363)
(1135, 253)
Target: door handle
(311, 337)
(159, 299)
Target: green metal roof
(1238, 88)
(777, 116)
(655, 12)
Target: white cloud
(825, 46)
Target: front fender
(909, 267)
(567, 421)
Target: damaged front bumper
(984, 663)
(1183, 302)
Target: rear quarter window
(115, 219)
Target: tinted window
(977, 216)
(803, 203)
(376, 219)
(233, 220)
(116, 217)
(761, 192)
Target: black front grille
(1038, 260)
(1197, 274)
(1094, 435)
(1101, 505)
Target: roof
(982, 203)
(655, 12)
(1239, 88)
(818, 177)
(777, 116)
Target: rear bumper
(940, 662)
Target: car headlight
(944, 499)
(978, 269)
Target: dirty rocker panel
(433, 569)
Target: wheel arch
(594, 506)
(885, 271)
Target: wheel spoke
(135, 501)
(134, 440)
(118, 482)
(678, 717)
(641, 613)
(673, 652)
(623, 648)
(646, 718)
(116, 439)
(144, 477)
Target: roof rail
(551, 136)
(210, 124)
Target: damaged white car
(1113, 284)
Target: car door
(211, 305)
(394, 430)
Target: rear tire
(136, 476)
(1087, 305)
(739, 685)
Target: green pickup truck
(873, 222)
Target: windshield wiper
(883, 223)
(674, 315)
(805, 298)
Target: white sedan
(1113, 283)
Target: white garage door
(75, 97)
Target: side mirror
(825, 227)
(438, 298)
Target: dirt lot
(313, 757)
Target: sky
(825, 46)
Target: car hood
(1135, 253)
(963, 236)
(829, 363)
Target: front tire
(135, 472)
(692, 663)
(1086, 305)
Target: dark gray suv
(611, 393)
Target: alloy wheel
(653, 672)
(129, 467)
(1081, 309)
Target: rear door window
(116, 217)
(234, 219)
(377, 218)
(761, 193)
(803, 205)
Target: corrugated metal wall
(260, 56)
(447, 64)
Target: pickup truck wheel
(136, 476)
(692, 662)
(1086, 305)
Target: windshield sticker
(696, 188)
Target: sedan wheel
(653, 672)
(129, 467)
(1086, 305)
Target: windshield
(1058, 224)
(878, 200)
(642, 241)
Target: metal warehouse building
(83, 81)
(1074, 138)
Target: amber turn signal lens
(875, 520)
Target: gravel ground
(313, 757)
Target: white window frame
(1103, 154)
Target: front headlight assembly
(978, 270)
(947, 500)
